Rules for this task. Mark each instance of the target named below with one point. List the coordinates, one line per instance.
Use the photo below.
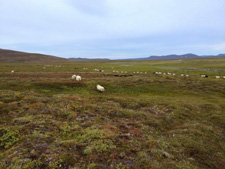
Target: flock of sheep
(159, 73)
(102, 89)
(168, 73)
(78, 78)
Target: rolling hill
(10, 56)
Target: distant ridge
(87, 59)
(221, 55)
(174, 56)
(11, 56)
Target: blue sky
(113, 28)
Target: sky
(114, 29)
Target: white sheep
(174, 74)
(182, 74)
(74, 77)
(100, 88)
(187, 75)
(224, 77)
(204, 76)
(12, 71)
(158, 73)
(217, 77)
(78, 78)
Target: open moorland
(142, 120)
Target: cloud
(112, 28)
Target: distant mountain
(87, 59)
(174, 56)
(221, 55)
(10, 56)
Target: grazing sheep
(224, 77)
(78, 78)
(187, 75)
(100, 88)
(157, 73)
(74, 77)
(174, 74)
(169, 73)
(205, 76)
(12, 71)
(217, 77)
(182, 74)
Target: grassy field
(140, 121)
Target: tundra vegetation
(143, 120)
